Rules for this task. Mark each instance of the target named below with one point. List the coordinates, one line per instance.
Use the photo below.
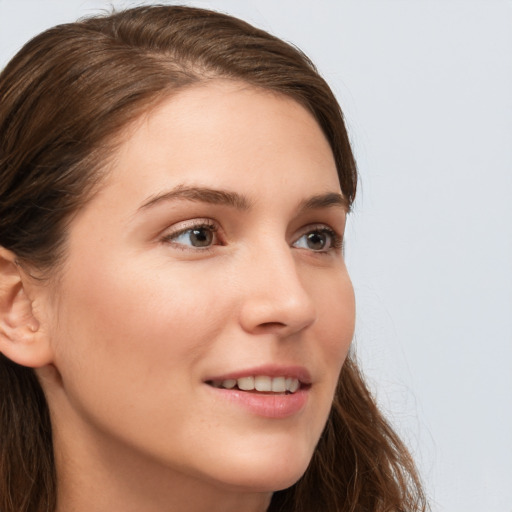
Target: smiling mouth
(261, 384)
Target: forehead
(224, 134)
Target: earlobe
(21, 336)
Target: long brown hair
(63, 99)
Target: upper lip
(270, 370)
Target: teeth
(261, 383)
(279, 385)
(229, 383)
(292, 385)
(246, 383)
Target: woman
(175, 312)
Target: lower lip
(266, 405)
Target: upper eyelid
(180, 228)
(319, 226)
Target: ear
(21, 338)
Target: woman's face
(209, 262)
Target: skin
(139, 317)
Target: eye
(320, 239)
(200, 236)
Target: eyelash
(194, 225)
(206, 224)
(337, 240)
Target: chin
(267, 471)
(264, 483)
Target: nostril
(271, 325)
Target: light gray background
(426, 86)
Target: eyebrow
(200, 194)
(238, 201)
(327, 200)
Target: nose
(274, 297)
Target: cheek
(135, 301)
(336, 319)
(137, 330)
(331, 337)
